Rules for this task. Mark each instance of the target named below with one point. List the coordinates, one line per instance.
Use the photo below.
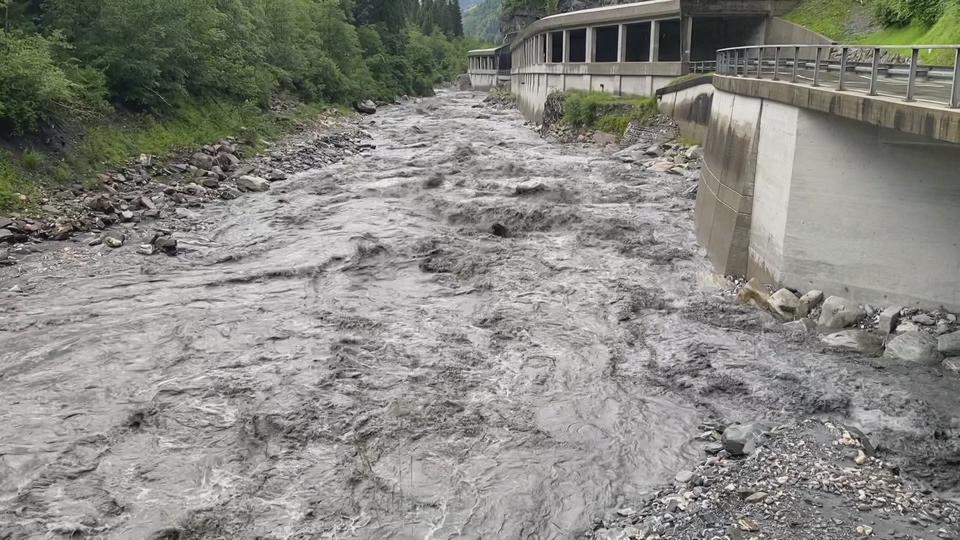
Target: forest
(85, 58)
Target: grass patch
(827, 17)
(111, 143)
(945, 31)
(606, 112)
(832, 18)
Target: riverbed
(405, 345)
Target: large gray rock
(839, 313)
(754, 293)
(253, 183)
(889, 318)
(915, 347)
(784, 303)
(366, 107)
(203, 161)
(809, 302)
(949, 344)
(859, 341)
(741, 439)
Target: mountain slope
(482, 21)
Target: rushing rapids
(406, 345)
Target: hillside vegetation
(482, 21)
(128, 67)
(885, 22)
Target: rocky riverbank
(901, 334)
(812, 480)
(145, 202)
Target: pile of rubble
(811, 480)
(930, 338)
(146, 191)
(500, 98)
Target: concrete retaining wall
(532, 88)
(483, 80)
(806, 200)
(780, 31)
(689, 105)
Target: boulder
(253, 183)
(227, 161)
(693, 153)
(365, 107)
(276, 175)
(202, 161)
(889, 319)
(859, 341)
(784, 303)
(924, 319)
(210, 182)
(949, 344)
(809, 302)
(113, 241)
(463, 82)
(914, 347)
(839, 313)
(6, 236)
(529, 187)
(755, 294)
(741, 439)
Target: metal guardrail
(708, 66)
(854, 68)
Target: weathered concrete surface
(725, 197)
(689, 103)
(532, 84)
(780, 31)
(918, 118)
(812, 200)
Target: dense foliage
(76, 57)
(904, 12)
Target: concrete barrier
(689, 103)
(813, 200)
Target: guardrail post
(955, 91)
(843, 67)
(776, 64)
(914, 59)
(796, 60)
(874, 72)
(816, 68)
(760, 63)
(736, 63)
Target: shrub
(32, 161)
(606, 112)
(33, 87)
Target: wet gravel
(403, 344)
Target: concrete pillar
(654, 41)
(590, 45)
(566, 47)
(621, 43)
(686, 40)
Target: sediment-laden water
(356, 354)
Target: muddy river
(356, 354)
